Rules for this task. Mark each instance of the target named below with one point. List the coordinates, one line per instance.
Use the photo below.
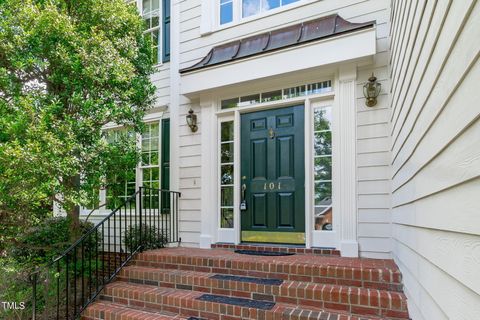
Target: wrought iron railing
(66, 286)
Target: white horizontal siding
(436, 156)
(161, 80)
(189, 166)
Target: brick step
(187, 304)
(367, 273)
(355, 300)
(112, 311)
(276, 248)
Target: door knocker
(271, 133)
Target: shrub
(151, 237)
(47, 240)
(36, 247)
(14, 287)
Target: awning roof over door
(295, 35)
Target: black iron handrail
(148, 219)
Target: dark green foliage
(44, 242)
(14, 286)
(38, 247)
(148, 236)
(67, 68)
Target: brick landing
(276, 248)
(167, 284)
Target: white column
(348, 178)
(208, 194)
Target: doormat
(195, 318)
(248, 303)
(264, 253)
(264, 281)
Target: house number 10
(272, 186)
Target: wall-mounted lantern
(192, 120)
(371, 90)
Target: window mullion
(238, 8)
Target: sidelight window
(226, 174)
(322, 168)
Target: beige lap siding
(436, 156)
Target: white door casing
(344, 234)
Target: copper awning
(295, 35)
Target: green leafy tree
(67, 68)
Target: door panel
(272, 170)
(285, 153)
(285, 208)
(259, 153)
(259, 210)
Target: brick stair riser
(381, 279)
(314, 251)
(188, 306)
(355, 300)
(99, 311)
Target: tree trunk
(74, 216)
(73, 212)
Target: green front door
(272, 176)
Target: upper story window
(151, 16)
(229, 9)
(156, 14)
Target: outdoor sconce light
(371, 90)
(192, 120)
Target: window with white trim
(279, 94)
(156, 15)
(150, 164)
(151, 16)
(322, 168)
(151, 172)
(120, 185)
(226, 174)
(230, 9)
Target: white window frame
(322, 238)
(219, 171)
(141, 167)
(315, 108)
(237, 13)
(151, 118)
(160, 32)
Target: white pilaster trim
(209, 206)
(348, 175)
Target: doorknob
(243, 203)
(271, 133)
